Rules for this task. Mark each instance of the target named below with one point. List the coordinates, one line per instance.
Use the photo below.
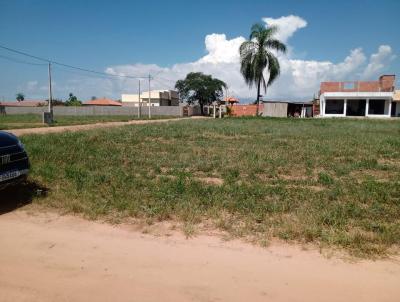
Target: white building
(158, 98)
(360, 98)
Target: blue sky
(168, 38)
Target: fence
(100, 110)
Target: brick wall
(385, 83)
(246, 110)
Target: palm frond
(274, 68)
(256, 30)
(276, 45)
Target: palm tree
(256, 55)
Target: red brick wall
(246, 110)
(385, 83)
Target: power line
(20, 61)
(167, 80)
(164, 84)
(64, 69)
(67, 65)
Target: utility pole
(48, 117)
(149, 98)
(50, 91)
(140, 104)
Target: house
(288, 108)
(27, 103)
(102, 102)
(359, 98)
(158, 98)
(230, 101)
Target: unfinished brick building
(359, 98)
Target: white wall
(125, 98)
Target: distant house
(27, 103)
(102, 102)
(158, 98)
(359, 98)
(230, 101)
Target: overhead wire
(69, 66)
(20, 61)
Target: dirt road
(44, 130)
(51, 258)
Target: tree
(20, 97)
(200, 88)
(93, 98)
(256, 56)
(73, 101)
(55, 102)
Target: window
(334, 107)
(349, 85)
(376, 107)
(355, 107)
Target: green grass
(20, 121)
(333, 182)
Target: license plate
(5, 159)
(9, 175)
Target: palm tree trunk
(258, 96)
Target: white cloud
(221, 50)
(378, 61)
(299, 79)
(287, 26)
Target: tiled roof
(102, 102)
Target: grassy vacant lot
(329, 181)
(20, 121)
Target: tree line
(72, 100)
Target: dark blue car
(14, 161)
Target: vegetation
(72, 101)
(200, 88)
(326, 181)
(20, 97)
(256, 56)
(20, 121)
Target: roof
(396, 96)
(288, 102)
(231, 99)
(30, 103)
(102, 102)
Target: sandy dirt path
(45, 130)
(47, 257)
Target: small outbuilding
(288, 108)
